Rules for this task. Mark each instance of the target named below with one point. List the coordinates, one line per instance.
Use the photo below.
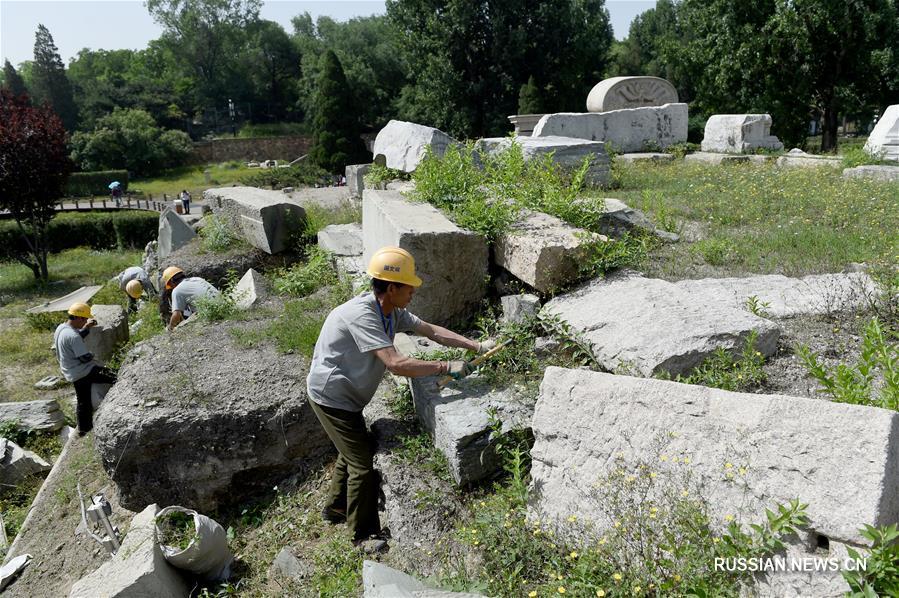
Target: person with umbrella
(115, 189)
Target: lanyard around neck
(386, 322)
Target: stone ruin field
(653, 380)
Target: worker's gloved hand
(91, 323)
(486, 345)
(457, 369)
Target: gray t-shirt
(134, 273)
(185, 295)
(69, 347)
(345, 371)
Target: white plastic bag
(207, 555)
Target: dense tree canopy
(34, 167)
(336, 133)
(12, 80)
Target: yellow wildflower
(616, 576)
(561, 589)
(532, 593)
(637, 589)
(728, 517)
(573, 554)
(572, 518)
(600, 593)
(728, 465)
(677, 578)
(663, 458)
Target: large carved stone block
(739, 134)
(884, 139)
(630, 92)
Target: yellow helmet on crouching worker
(393, 265)
(80, 310)
(134, 289)
(169, 273)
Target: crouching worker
(185, 294)
(77, 363)
(353, 350)
(135, 281)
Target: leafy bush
(304, 278)
(857, 384)
(98, 230)
(728, 372)
(221, 306)
(378, 174)
(302, 174)
(253, 131)
(216, 235)
(86, 184)
(130, 139)
(318, 217)
(880, 576)
(858, 156)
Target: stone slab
(713, 158)
(381, 581)
(617, 218)
(252, 288)
(543, 251)
(796, 158)
(874, 171)
(50, 383)
(288, 565)
(648, 326)
(173, 233)
(138, 569)
(524, 123)
(787, 297)
(82, 295)
(645, 157)
(451, 262)
(884, 139)
(355, 178)
(17, 463)
(739, 134)
(266, 219)
(518, 308)
(567, 152)
(98, 393)
(39, 416)
(110, 332)
(617, 93)
(330, 198)
(778, 447)
(628, 130)
(341, 239)
(402, 145)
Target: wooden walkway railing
(105, 203)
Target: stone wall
(263, 148)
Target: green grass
(191, 178)
(763, 219)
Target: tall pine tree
(13, 81)
(336, 133)
(49, 81)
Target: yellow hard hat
(393, 265)
(170, 272)
(134, 289)
(80, 310)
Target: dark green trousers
(354, 485)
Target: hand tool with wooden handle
(475, 362)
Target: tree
(34, 166)
(529, 98)
(273, 63)
(49, 82)
(12, 80)
(130, 139)
(469, 58)
(336, 134)
(202, 35)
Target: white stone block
(779, 448)
(715, 158)
(251, 289)
(341, 239)
(355, 178)
(884, 139)
(402, 145)
(39, 416)
(878, 172)
(648, 326)
(543, 251)
(17, 463)
(451, 262)
(567, 152)
(739, 134)
(265, 219)
(517, 308)
(110, 332)
(82, 295)
(626, 130)
(174, 233)
(617, 93)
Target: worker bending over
(354, 348)
(185, 293)
(135, 281)
(77, 363)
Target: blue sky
(115, 24)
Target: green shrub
(216, 235)
(220, 306)
(880, 576)
(728, 372)
(378, 174)
(856, 384)
(255, 130)
(318, 217)
(304, 278)
(302, 174)
(97, 230)
(86, 184)
(858, 156)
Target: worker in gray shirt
(135, 281)
(354, 349)
(77, 363)
(185, 293)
